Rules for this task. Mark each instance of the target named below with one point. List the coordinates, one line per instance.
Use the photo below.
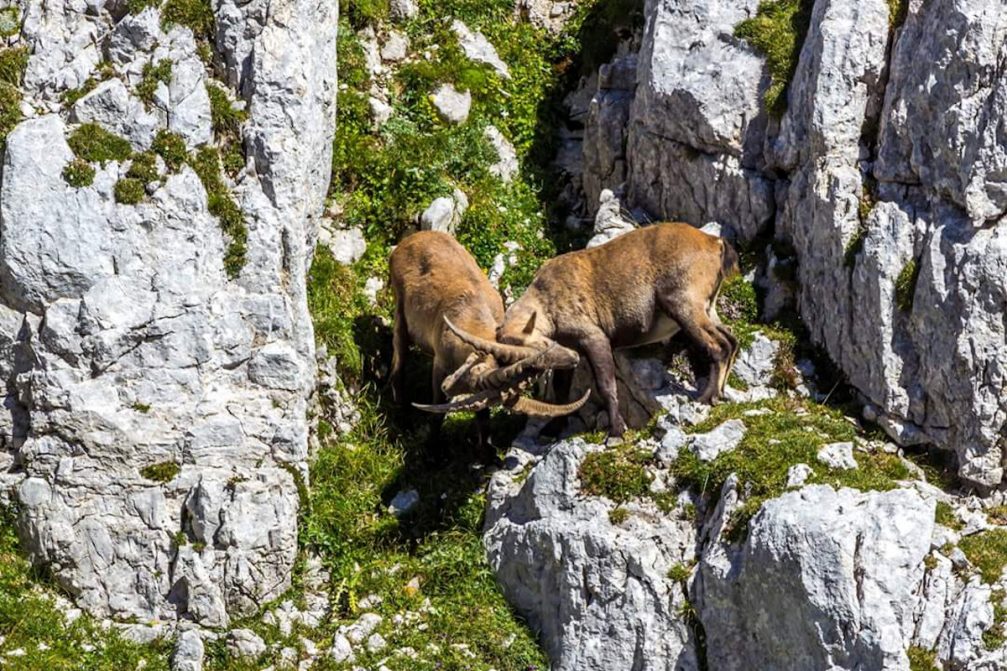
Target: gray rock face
(159, 407)
(453, 105)
(597, 592)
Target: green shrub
(12, 65)
(143, 167)
(226, 120)
(618, 474)
(129, 191)
(163, 472)
(94, 144)
(171, 147)
(152, 76)
(206, 163)
(905, 286)
(78, 173)
(196, 15)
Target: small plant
(163, 472)
(987, 551)
(921, 659)
(171, 147)
(129, 191)
(618, 474)
(997, 515)
(152, 76)
(946, 516)
(995, 637)
(777, 31)
(618, 515)
(137, 6)
(680, 572)
(180, 539)
(141, 407)
(144, 167)
(197, 15)
(905, 286)
(94, 144)
(855, 245)
(78, 173)
(226, 121)
(206, 163)
(10, 21)
(12, 65)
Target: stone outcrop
(156, 424)
(885, 175)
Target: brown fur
(640, 288)
(432, 277)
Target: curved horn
(533, 408)
(506, 353)
(483, 399)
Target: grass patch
(10, 21)
(197, 15)
(12, 65)
(618, 515)
(946, 516)
(170, 147)
(226, 120)
(163, 472)
(995, 637)
(92, 143)
(987, 551)
(206, 163)
(997, 515)
(129, 191)
(141, 407)
(680, 572)
(905, 286)
(777, 32)
(921, 659)
(738, 307)
(618, 473)
(78, 173)
(144, 167)
(791, 433)
(153, 74)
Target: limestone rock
(506, 165)
(724, 438)
(188, 653)
(245, 645)
(403, 10)
(838, 456)
(479, 49)
(453, 105)
(445, 213)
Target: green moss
(777, 31)
(898, 10)
(791, 433)
(735, 382)
(144, 167)
(785, 375)
(137, 6)
(738, 306)
(921, 659)
(997, 515)
(92, 143)
(12, 65)
(987, 551)
(854, 246)
(361, 13)
(618, 473)
(78, 173)
(129, 191)
(163, 472)
(905, 286)
(153, 74)
(206, 163)
(226, 120)
(680, 572)
(945, 515)
(141, 407)
(171, 147)
(196, 15)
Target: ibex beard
(640, 288)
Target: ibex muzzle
(640, 288)
(439, 289)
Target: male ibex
(640, 288)
(436, 281)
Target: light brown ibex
(436, 282)
(640, 288)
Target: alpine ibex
(640, 288)
(437, 282)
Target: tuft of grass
(905, 286)
(12, 65)
(153, 74)
(163, 472)
(946, 516)
(987, 551)
(618, 474)
(79, 173)
(171, 147)
(137, 6)
(226, 121)
(129, 191)
(10, 21)
(995, 637)
(141, 407)
(921, 659)
(221, 204)
(791, 433)
(144, 167)
(197, 15)
(777, 31)
(618, 515)
(997, 515)
(362, 13)
(92, 143)
(738, 306)
(680, 572)
(898, 10)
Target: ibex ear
(529, 328)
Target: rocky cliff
(158, 355)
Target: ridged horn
(505, 353)
(479, 401)
(533, 408)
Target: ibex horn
(529, 406)
(505, 353)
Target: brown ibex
(640, 288)
(436, 282)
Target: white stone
(347, 245)
(797, 475)
(506, 166)
(245, 645)
(404, 502)
(188, 652)
(342, 649)
(478, 48)
(395, 48)
(403, 10)
(838, 456)
(445, 213)
(453, 105)
(725, 438)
